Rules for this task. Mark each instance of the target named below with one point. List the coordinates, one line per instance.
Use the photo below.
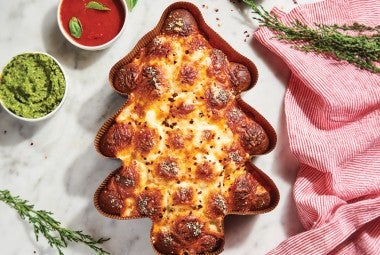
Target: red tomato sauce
(98, 27)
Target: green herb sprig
(131, 4)
(75, 27)
(43, 223)
(97, 6)
(361, 49)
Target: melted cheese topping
(192, 156)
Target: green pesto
(32, 85)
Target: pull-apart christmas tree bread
(184, 137)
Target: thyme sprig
(357, 44)
(43, 223)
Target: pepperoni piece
(183, 195)
(217, 205)
(175, 139)
(145, 140)
(110, 202)
(208, 244)
(150, 83)
(182, 109)
(149, 203)
(235, 118)
(180, 22)
(204, 171)
(126, 180)
(198, 42)
(118, 137)
(152, 76)
(139, 109)
(187, 74)
(240, 77)
(208, 135)
(218, 60)
(236, 154)
(188, 228)
(218, 66)
(253, 138)
(217, 97)
(236, 157)
(158, 48)
(166, 243)
(243, 193)
(168, 168)
(127, 78)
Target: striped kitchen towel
(332, 111)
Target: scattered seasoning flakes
(216, 9)
(295, 2)
(31, 144)
(246, 35)
(5, 131)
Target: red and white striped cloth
(332, 113)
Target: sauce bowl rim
(86, 47)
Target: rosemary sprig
(43, 223)
(361, 49)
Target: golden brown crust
(149, 204)
(242, 193)
(118, 137)
(239, 76)
(180, 22)
(184, 137)
(127, 79)
(110, 202)
(145, 139)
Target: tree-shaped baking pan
(184, 137)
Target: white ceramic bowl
(48, 115)
(85, 47)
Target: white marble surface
(54, 165)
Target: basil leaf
(75, 27)
(97, 6)
(131, 4)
